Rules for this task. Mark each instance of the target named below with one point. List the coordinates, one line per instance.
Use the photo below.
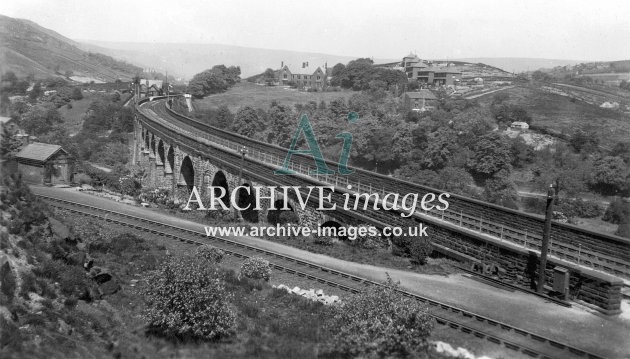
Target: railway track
(484, 328)
(610, 260)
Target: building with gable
(306, 76)
(43, 163)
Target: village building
(421, 100)
(443, 74)
(304, 77)
(43, 163)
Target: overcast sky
(572, 29)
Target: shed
(44, 163)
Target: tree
(9, 145)
(584, 142)
(36, 91)
(490, 154)
(269, 76)
(561, 167)
(500, 190)
(610, 175)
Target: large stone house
(303, 77)
(43, 163)
(421, 100)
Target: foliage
(580, 208)
(187, 299)
(617, 212)
(8, 281)
(490, 154)
(210, 253)
(584, 141)
(129, 185)
(381, 323)
(25, 210)
(256, 268)
(9, 145)
(360, 74)
(40, 119)
(419, 249)
(500, 190)
(610, 175)
(215, 80)
(324, 240)
(505, 114)
(561, 167)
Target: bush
(210, 253)
(73, 281)
(8, 282)
(617, 212)
(187, 299)
(256, 268)
(379, 322)
(579, 208)
(420, 249)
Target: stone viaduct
(177, 156)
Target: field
(559, 114)
(257, 96)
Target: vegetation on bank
(72, 287)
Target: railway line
(484, 328)
(613, 259)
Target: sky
(554, 29)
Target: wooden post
(545, 241)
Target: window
(319, 77)
(285, 76)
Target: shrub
(256, 268)
(187, 299)
(579, 208)
(379, 322)
(8, 282)
(617, 212)
(420, 249)
(210, 253)
(73, 281)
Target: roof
(4, 119)
(425, 94)
(441, 69)
(305, 70)
(38, 151)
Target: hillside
(186, 60)
(520, 64)
(27, 48)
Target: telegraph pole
(551, 194)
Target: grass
(74, 117)
(249, 94)
(559, 114)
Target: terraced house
(304, 77)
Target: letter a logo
(314, 150)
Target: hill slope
(27, 48)
(186, 60)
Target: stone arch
(170, 157)
(220, 180)
(244, 199)
(187, 174)
(160, 151)
(275, 216)
(146, 142)
(331, 223)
